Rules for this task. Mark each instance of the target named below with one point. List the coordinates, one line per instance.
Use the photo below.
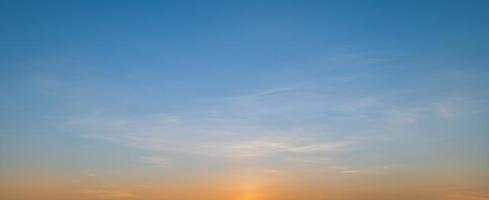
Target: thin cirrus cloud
(159, 162)
(298, 119)
(207, 143)
(302, 117)
(108, 194)
(227, 132)
(464, 195)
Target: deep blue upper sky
(221, 46)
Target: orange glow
(249, 196)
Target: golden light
(249, 196)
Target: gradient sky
(244, 100)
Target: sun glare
(249, 196)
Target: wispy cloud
(464, 196)
(108, 194)
(316, 147)
(159, 162)
(276, 91)
(294, 119)
(268, 147)
(372, 170)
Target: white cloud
(301, 119)
(352, 171)
(316, 147)
(267, 147)
(108, 194)
(156, 161)
(464, 196)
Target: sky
(244, 100)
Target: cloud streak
(301, 119)
(103, 194)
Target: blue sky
(350, 87)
